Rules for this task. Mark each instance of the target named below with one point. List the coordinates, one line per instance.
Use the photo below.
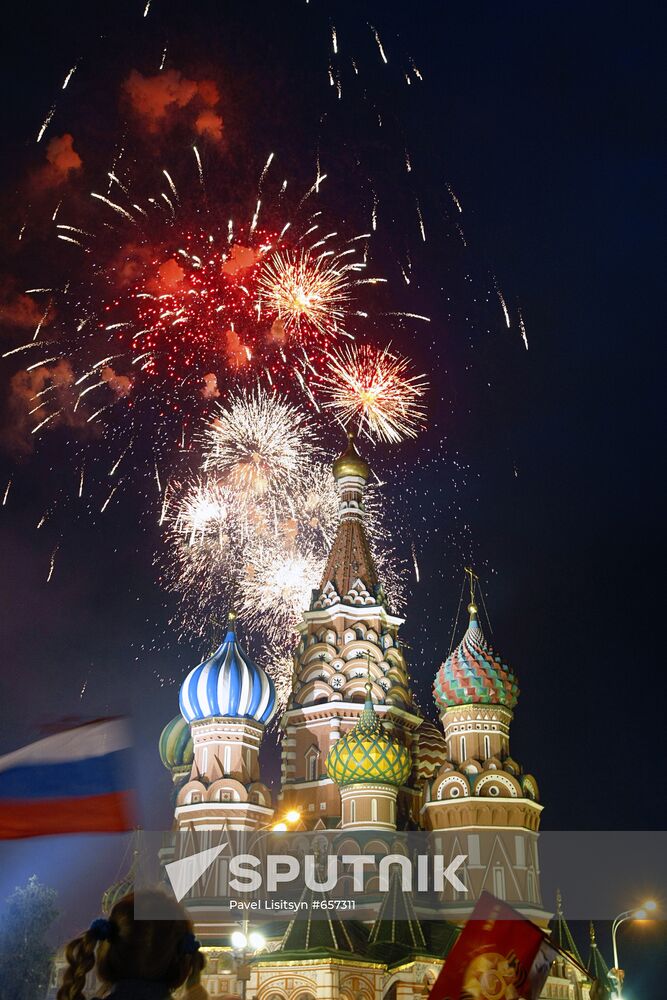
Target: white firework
(258, 443)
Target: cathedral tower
(480, 795)
(349, 638)
(227, 700)
(369, 767)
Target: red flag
(499, 955)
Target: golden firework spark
(305, 292)
(376, 388)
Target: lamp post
(247, 944)
(641, 914)
(244, 946)
(290, 819)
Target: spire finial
(591, 931)
(559, 903)
(350, 462)
(369, 684)
(473, 580)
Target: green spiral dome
(176, 746)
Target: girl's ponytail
(80, 955)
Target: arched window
(463, 748)
(487, 747)
(312, 768)
(353, 811)
(530, 886)
(374, 810)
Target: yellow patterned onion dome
(368, 754)
(350, 463)
(176, 746)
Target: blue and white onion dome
(228, 685)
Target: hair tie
(189, 945)
(101, 929)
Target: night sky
(542, 466)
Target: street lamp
(244, 946)
(291, 818)
(641, 914)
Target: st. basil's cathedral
(357, 754)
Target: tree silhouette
(25, 956)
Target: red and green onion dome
(474, 674)
(367, 754)
(176, 747)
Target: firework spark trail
(114, 206)
(171, 184)
(454, 198)
(422, 230)
(69, 76)
(501, 299)
(109, 498)
(45, 421)
(265, 170)
(375, 388)
(414, 562)
(522, 327)
(379, 44)
(6, 493)
(22, 347)
(52, 564)
(408, 315)
(46, 123)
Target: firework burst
(307, 293)
(376, 388)
(259, 444)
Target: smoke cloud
(158, 100)
(210, 388)
(62, 162)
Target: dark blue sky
(544, 119)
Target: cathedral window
(463, 748)
(312, 765)
(374, 810)
(499, 882)
(473, 849)
(487, 747)
(520, 848)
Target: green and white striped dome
(176, 746)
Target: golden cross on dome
(474, 579)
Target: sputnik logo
(184, 873)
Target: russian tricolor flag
(76, 781)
